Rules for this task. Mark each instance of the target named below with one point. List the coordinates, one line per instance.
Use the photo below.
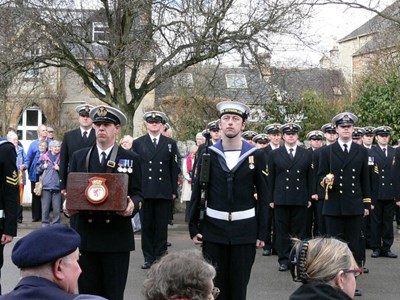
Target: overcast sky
(331, 23)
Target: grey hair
(54, 143)
(181, 274)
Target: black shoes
(365, 270)
(283, 268)
(35, 220)
(376, 253)
(389, 254)
(146, 266)
(357, 293)
(267, 252)
(169, 244)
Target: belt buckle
(229, 216)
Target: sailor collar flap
(247, 151)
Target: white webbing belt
(231, 216)
(1, 213)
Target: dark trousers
(1, 260)
(104, 274)
(155, 214)
(271, 234)
(36, 204)
(315, 220)
(382, 225)
(289, 222)
(233, 264)
(348, 229)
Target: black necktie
(155, 142)
(85, 138)
(103, 158)
(345, 149)
(384, 151)
(291, 153)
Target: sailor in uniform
(235, 222)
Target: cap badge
(346, 118)
(153, 115)
(102, 112)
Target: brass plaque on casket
(97, 191)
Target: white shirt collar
(83, 130)
(152, 137)
(348, 145)
(294, 149)
(107, 151)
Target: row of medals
(125, 166)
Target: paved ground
(383, 281)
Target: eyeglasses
(215, 292)
(357, 271)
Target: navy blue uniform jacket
(159, 167)
(107, 231)
(33, 287)
(351, 191)
(290, 181)
(231, 191)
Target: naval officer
(107, 237)
(344, 174)
(159, 159)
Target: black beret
(44, 245)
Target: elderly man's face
(71, 271)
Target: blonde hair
(320, 259)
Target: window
(30, 119)
(99, 74)
(99, 32)
(32, 71)
(236, 81)
(184, 79)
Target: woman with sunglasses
(181, 275)
(326, 267)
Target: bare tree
(123, 49)
(376, 6)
